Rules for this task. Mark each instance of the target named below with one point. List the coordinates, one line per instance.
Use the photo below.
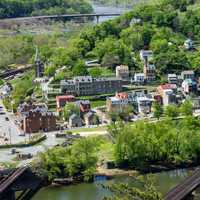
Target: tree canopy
(21, 8)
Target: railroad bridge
(184, 190)
(18, 184)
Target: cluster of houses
(85, 117)
(148, 74)
(178, 88)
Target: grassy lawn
(106, 151)
(99, 128)
(98, 103)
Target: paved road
(8, 128)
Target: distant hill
(21, 8)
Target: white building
(144, 104)
(139, 78)
(188, 44)
(168, 97)
(189, 74)
(172, 78)
(146, 54)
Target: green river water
(95, 191)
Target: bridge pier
(97, 19)
(189, 197)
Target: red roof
(121, 95)
(167, 86)
(65, 97)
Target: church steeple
(39, 66)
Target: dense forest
(20, 8)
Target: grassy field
(106, 151)
(98, 103)
(95, 129)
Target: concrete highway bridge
(18, 184)
(64, 16)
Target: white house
(139, 78)
(172, 78)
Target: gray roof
(187, 72)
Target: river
(94, 191)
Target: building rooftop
(187, 72)
(122, 67)
(168, 86)
(65, 97)
(172, 76)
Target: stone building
(86, 85)
(122, 71)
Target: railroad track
(7, 181)
(185, 188)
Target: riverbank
(90, 191)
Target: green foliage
(80, 69)
(50, 70)
(126, 192)
(186, 108)
(70, 109)
(172, 111)
(157, 110)
(1, 82)
(22, 89)
(78, 159)
(20, 8)
(16, 50)
(169, 141)
(162, 28)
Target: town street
(8, 128)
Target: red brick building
(37, 119)
(62, 100)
